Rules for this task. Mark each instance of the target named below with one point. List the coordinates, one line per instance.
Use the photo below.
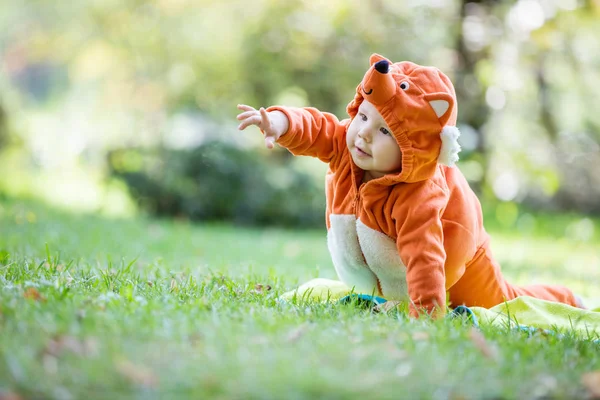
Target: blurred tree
(3, 126)
(547, 134)
(218, 181)
(473, 49)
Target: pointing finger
(245, 107)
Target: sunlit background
(122, 107)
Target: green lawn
(97, 308)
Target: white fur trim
(440, 107)
(450, 147)
(346, 254)
(383, 259)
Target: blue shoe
(362, 300)
(464, 311)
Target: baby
(402, 221)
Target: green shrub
(217, 181)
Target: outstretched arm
(303, 131)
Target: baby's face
(372, 144)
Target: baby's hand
(274, 124)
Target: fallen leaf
(591, 381)
(84, 348)
(137, 374)
(420, 335)
(482, 344)
(34, 294)
(387, 306)
(297, 333)
(258, 288)
(9, 396)
(196, 339)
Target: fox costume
(417, 234)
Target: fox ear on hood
(375, 58)
(442, 104)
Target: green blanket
(520, 312)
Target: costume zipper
(357, 200)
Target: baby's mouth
(362, 152)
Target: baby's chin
(360, 163)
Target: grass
(97, 308)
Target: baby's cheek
(349, 139)
(394, 157)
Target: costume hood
(419, 105)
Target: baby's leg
(483, 285)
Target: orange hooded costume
(417, 234)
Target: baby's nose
(365, 134)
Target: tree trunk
(472, 108)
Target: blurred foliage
(3, 127)
(80, 80)
(217, 181)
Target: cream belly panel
(382, 257)
(346, 254)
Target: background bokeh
(125, 106)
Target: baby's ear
(442, 104)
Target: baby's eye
(363, 116)
(385, 131)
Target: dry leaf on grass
(84, 348)
(137, 374)
(420, 335)
(482, 344)
(387, 306)
(297, 333)
(196, 339)
(34, 294)
(258, 288)
(591, 381)
(9, 396)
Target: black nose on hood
(382, 66)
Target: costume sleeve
(420, 243)
(312, 133)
